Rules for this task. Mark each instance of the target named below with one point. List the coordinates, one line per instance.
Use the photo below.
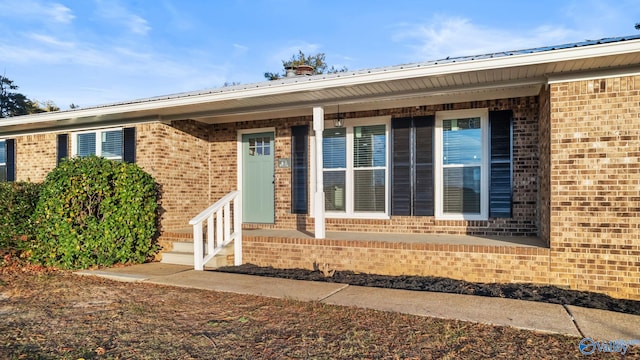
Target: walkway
(550, 318)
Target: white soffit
(462, 77)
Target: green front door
(257, 178)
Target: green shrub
(94, 211)
(17, 204)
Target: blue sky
(92, 52)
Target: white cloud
(37, 10)
(113, 11)
(457, 36)
(240, 49)
(50, 40)
(60, 13)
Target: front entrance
(258, 178)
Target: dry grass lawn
(46, 314)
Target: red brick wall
(595, 179)
(468, 262)
(178, 157)
(544, 182)
(35, 157)
(525, 174)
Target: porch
(468, 257)
(426, 239)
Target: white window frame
(349, 212)
(5, 149)
(98, 132)
(483, 114)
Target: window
(462, 164)
(260, 146)
(334, 160)
(106, 143)
(3, 161)
(355, 169)
(453, 178)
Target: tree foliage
(13, 103)
(637, 26)
(94, 211)
(316, 61)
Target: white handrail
(218, 215)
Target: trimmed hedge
(94, 211)
(17, 204)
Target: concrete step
(182, 254)
(187, 247)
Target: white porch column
(318, 127)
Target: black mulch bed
(531, 292)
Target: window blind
(86, 144)
(334, 144)
(3, 152)
(111, 144)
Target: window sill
(369, 216)
(478, 217)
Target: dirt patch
(57, 315)
(530, 292)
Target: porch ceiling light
(338, 122)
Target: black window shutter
(423, 187)
(299, 169)
(62, 147)
(129, 144)
(401, 166)
(412, 166)
(11, 159)
(500, 189)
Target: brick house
(520, 166)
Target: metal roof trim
(589, 48)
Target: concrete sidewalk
(551, 318)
